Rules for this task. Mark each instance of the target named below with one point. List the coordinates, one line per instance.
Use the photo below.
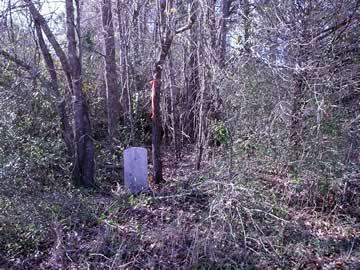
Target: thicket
(260, 132)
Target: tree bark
(223, 31)
(123, 29)
(84, 169)
(112, 93)
(247, 26)
(155, 109)
(194, 80)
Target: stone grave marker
(136, 169)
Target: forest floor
(198, 220)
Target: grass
(198, 220)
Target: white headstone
(136, 169)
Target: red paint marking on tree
(153, 87)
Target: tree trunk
(194, 81)
(155, 109)
(68, 135)
(51, 38)
(123, 29)
(174, 108)
(300, 77)
(202, 126)
(297, 122)
(247, 26)
(167, 37)
(84, 169)
(156, 126)
(112, 93)
(223, 31)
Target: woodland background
(250, 109)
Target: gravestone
(136, 169)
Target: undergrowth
(198, 220)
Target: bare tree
(194, 80)
(52, 39)
(84, 163)
(167, 36)
(112, 92)
(84, 169)
(61, 105)
(223, 30)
